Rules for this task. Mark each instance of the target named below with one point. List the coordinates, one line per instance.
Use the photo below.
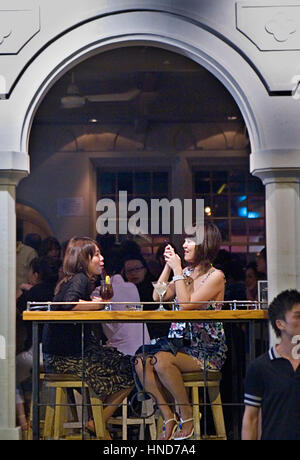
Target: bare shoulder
(217, 275)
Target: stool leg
(159, 425)
(217, 411)
(97, 409)
(59, 412)
(124, 419)
(48, 426)
(29, 429)
(152, 425)
(143, 422)
(196, 412)
(49, 412)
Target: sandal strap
(185, 421)
(170, 420)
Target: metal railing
(226, 305)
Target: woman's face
(251, 279)
(189, 247)
(54, 253)
(33, 277)
(96, 263)
(134, 271)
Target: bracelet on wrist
(178, 277)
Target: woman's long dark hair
(79, 252)
(207, 251)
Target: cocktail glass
(161, 289)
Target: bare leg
(113, 401)
(111, 404)
(169, 368)
(21, 416)
(152, 385)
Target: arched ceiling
(144, 85)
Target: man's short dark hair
(283, 303)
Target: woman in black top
(106, 370)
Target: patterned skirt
(104, 369)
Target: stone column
(8, 181)
(282, 229)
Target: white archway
(137, 28)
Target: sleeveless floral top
(207, 340)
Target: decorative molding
(269, 26)
(4, 33)
(17, 26)
(281, 27)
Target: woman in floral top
(201, 345)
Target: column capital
(277, 165)
(278, 175)
(14, 166)
(11, 159)
(11, 176)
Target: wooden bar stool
(125, 421)
(29, 431)
(211, 381)
(56, 420)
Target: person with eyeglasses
(135, 270)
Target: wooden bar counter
(133, 315)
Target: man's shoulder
(261, 361)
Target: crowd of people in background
(40, 268)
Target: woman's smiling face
(96, 263)
(189, 247)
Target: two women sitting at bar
(189, 347)
(106, 370)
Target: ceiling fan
(74, 99)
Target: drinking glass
(161, 289)
(106, 292)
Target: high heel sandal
(179, 428)
(174, 419)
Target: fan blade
(114, 97)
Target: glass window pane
(237, 249)
(208, 210)
(256, 230)
(220, 175)
(224, 228)
(255, 185)
(237, 182)
(142, 183)
(239, 206)
(219, 186)
(107, 183)
(125, 182)
(160, 182)
(202, 182)
(238, 231)
(220, 206)
(256, 207)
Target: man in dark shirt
(273, 380)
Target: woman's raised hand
(172, 259)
